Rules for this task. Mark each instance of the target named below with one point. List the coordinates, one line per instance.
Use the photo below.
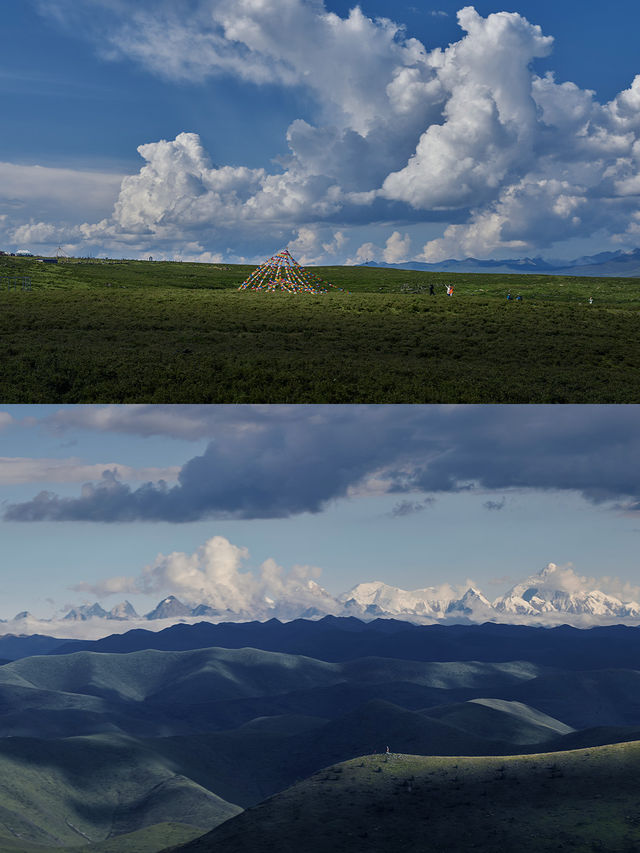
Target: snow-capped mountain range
(552, 596)
(549, 597)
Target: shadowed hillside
(163, 693)
(91, 788)
(514, 722)
(336, 639)
(193, 737)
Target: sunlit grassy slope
(169, 332)
(148, 840)
(586, 800)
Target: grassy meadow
(581, 801)
(161, 332)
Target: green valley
(138, 751)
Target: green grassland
(88, 789)
(140, 331)
(148, 840)
(584, 800)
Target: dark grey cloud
(404, 508)
(278, 461)
(495, 505)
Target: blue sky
(307, 123)
(412, 496)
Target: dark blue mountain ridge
(618, 264)
(14, 646)
(335, 639)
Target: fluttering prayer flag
(283, 272)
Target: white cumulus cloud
(215, 575)
(517, 161)
(397, 248)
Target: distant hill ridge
(618, 264)
(347, 638)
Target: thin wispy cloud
(185, 422)
(15, 470)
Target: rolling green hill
(161, 693)
(584, 699)
(244, 766)
(512, 722)
(136, 331)
(84, 789)
(585, 800)
(190, 738)
(148, 840)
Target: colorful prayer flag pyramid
(283, 272)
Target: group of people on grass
(518, 298)
(449, 288)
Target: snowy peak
(169, 608)
(554, 595)
(380, 599)
(86, 611)
(123, 610)
(205, 610)
(473, 604)
(557, 590)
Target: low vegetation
(585, 800)
(148, 840)
(141, 331)
(83, 790)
